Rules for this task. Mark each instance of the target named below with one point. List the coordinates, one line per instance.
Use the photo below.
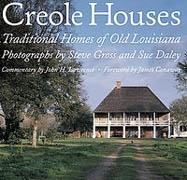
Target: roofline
(168, 110)
(151, 92)
(159, 99)
(133, 86)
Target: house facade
(178, 130)
(131, 112)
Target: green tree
(179, 110)
(35, 93)
(80, 120)
(84, 119)
(182, 75)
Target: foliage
(36, 93)
(84, 120)
(27, 133)
(179, 110)
(81, 120)
(46, 124)
(182, 75)
(15, 137)
(51, 134)
(68, 160)
(2, 131)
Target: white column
(169, 126)
(94, 135)
(108, 135)
(154, 125)
(124, 127)
(139, 128)
(175, 129)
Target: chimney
(118, 84)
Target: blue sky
(97, 85)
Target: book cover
(93, 89)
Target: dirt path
(105, 166)
(144, 169)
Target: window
(183, 128)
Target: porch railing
(135, 122)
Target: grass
(75, 159)
(125, 165)
(173, 149)
(168, 157)
(71, 159)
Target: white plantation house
(131, 111)
(134, 111)
(178, 130)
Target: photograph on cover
(93, 89)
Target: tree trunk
(12, 127)
(34, 136)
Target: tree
(83, 122)
(80, 120)
(179, 110)
(10, 99)
(182, 75)
(36, 93)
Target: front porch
(137, 120)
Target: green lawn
(125, 165)
(71, 159)
(168, 157)
(74, 159)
